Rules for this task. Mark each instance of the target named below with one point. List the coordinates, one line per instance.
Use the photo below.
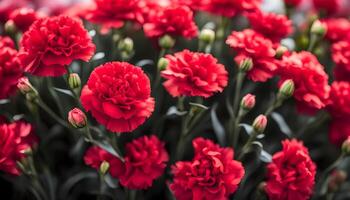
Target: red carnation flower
(145, 160)
(266, 23)
(310, 79)
(173, 20)
(337, 29)
(15, 138)
(24, 17)
(291, 175)
(113, 13)
(194, 74)
(292, 2)
(327, 6)
(193, 4)
(339, 130)
(10, 68)
(51, 44)
(250, 44)
(118, 96)
(341, 53)
(229, 8)
(339, 99)
(212, 174)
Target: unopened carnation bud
(346, 147)
(287, 88)
(248, 102)
(126, 45)
(260, 123)
(162, 64)
(10, 27)
(24, 85)
(104, 167)
(166, 42)
(318, 28)
(280, 51)
(74, 81)
(207, 36)
(262, 187)
(77, 118)
(336, 179)
(246, 65)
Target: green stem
(100, 192)
(276, 103)
(237, 128)
(48, 110)
(54, 95)
(247, 145)
(312, 43)
(132, 194)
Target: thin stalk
(54, 95)
(48, 110)
(247, 145)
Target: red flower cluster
(118, 96)
(172, 20)
(327, 6)
(341, 57)
(23, 18)
(51, 44)
(194, 74)
(250, 44)
(291, 175)
(339, 109)
(15, 138)
(266, 23)
(292, 2)
(337, 29)
(230, 8)
(212, 174)
(10, 68)
(113, 13)
(145, 161)
(310, 79)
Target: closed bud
(104, 167)
(280, 51)
(207, 36)
(162, 64)
(248, 102)
(260, 123)
(262, 187)
(336, 179)
(10, 27)
(287, 88)
(126, 45)
(77, 118)
(246, 65)
(24, 85)
(166, 42)
(318, 28)
(74, 81)
(346, 147)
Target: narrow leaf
(217, 126)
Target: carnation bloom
(10, 68)
(339, 130)
(337, 29)
(23, 18)
(212, 174)
(118, 95)
(113, 13)
(291, 174)
(194, 74)
(341, 53)
(173, 20)
(266, 23)
(51, 44)
(310, 79)
(229, 8)
(145, 160)
(15, 138)
(292, 2)
(327, 6)
(250, 44)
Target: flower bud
(287, 88)
(336, 179)
(346, 147)
(166, 42)
(248, 102)
(126, 45)
(246, 65)
(262, 187)
(280, 51)
(207, 36)
(260, 123)
(24, 85)
(318, 28)
(10, 27)
(162, 64)
(104, 167)
(77, 118)
(74, 81)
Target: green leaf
(64, 91)
(282, 124)
(217, 126)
